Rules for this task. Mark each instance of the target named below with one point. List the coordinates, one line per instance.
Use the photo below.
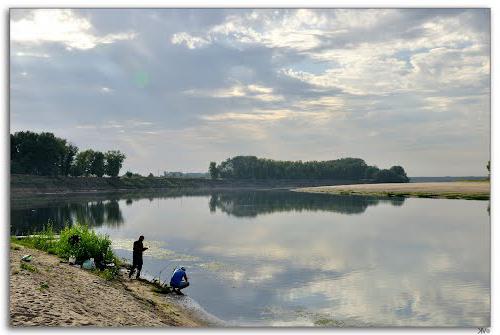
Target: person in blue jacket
(176, 281)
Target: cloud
(191, 42)
(60, 26)
(281, 83)
(239, 91)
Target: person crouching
(176, 282)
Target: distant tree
(97, 164)
(488, 167)
(83, 163)
(251, 167)
(114, 162)
(389, 176)
(68, 158)
(371, 172)
(212, 169)
(398, 170)
(128, 174)
(150, 175)
(38, 154)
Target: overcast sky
(176, 89)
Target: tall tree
(83, 163)
(68, 158)
(97, 164)
(212, 169)
(38, 154)
(114, 162)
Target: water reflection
(93, 214)
(253, 203)
(26, 219)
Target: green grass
(28, 267)
(91, 245)
(108, 274)
(325, 322)
(43, 286)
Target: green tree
(251, 167)
(97, 164)
(398, 170)
(68, 158)
(114, 162)
(212, 169)
(371, 172)
(38, 154)
(389, 176)
(83, 163)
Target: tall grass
(90, 245)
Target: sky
(177, 88)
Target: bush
(90, 245)
(78, 241)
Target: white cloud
(268, 115)
(106, 90)
(60, 26)
(238, 90)
(32, 54)
(192, 42)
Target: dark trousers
(181, 285)
(136, 264)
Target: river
(281, 258)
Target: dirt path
(450, 190)
(52, 293)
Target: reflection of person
(137, 257)
(176, 281)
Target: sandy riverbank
(450, 190)
(52, 293)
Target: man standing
(176, 281)
(137, 257)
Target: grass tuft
(28, 267)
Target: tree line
(251, 167)
(44, 154)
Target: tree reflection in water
(93, 214)
(253, 203)
(26, 219)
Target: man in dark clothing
(137, 257)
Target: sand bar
(478, 190)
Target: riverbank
(470, 190)
(47, 292)
(26, 186)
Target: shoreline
(49, 292)
(467, 190)
(25, 186)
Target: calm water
(292, 259)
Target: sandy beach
(51, 293)
(450, 190)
